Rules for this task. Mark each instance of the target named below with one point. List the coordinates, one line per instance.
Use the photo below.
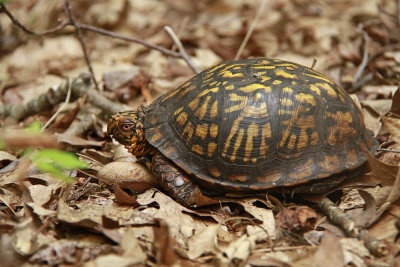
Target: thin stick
(364, 61)
(251, 29)
(83, 45)
(58, 28)
(129, 39)
(181, 49)
(61, 108)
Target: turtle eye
(126, 127)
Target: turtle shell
(259, 123)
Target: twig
(83, 45)
(129, 39)
(181, 49)
(364, 61)
(388, 150)
(61, 108)
(338, 217)
(5, 202)
(82, 126)
(59, 27)
(251, 29)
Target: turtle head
(127, 128)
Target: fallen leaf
(329, 253)
(203, 242)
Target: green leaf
(2, 2)
(49, 167)
(64, 160)
(34, 127)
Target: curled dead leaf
(299, 219)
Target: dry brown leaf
(368, 215)
(266, 216)
(124, 198)
(130, 246)
(329, 253)
(175, 215)
(299, 219)
(392, 123)
(396, 103)
(203, 242)
(42, 194)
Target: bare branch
(79, 36)
(181, 49)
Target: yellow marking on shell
(294, 83)
(211, 148)
(213, 130)
(229, 87)
(290, 68)
(214, 172)
(290, 123)
(185, 91)
(287, 90)
(207, 91)
(198, 149)
(314, 138)
(234, 130)
(282, 111)
(306, 122)
(252, 111)
(303, 139)
(254, 161)
(264, 67)
(236, 146)
(319, 77)
(238, 178)
(343, 127)
(286, 102)
(189, 131)
(259, 74)
(351, 156)
(329, 90)
(214, 67)
(235, 97)
(182, 118)
(169, 151)
(252, 131)
(178, 111)
(255, 86)
(315, 88)
(214, 83)
(306, 98)
(156, 135)
(214, 109)
(276, 82)
(257, 97)
(284, 74)
(194, 103)
(330, 163)
(202, 110)
(287, 65)
(292, 141)
(265, 78)
(265, 134)
(303, 170)
(208, 75)
(202, 131)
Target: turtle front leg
(178, 185)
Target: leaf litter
(97, 220)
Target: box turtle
(247, 125)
